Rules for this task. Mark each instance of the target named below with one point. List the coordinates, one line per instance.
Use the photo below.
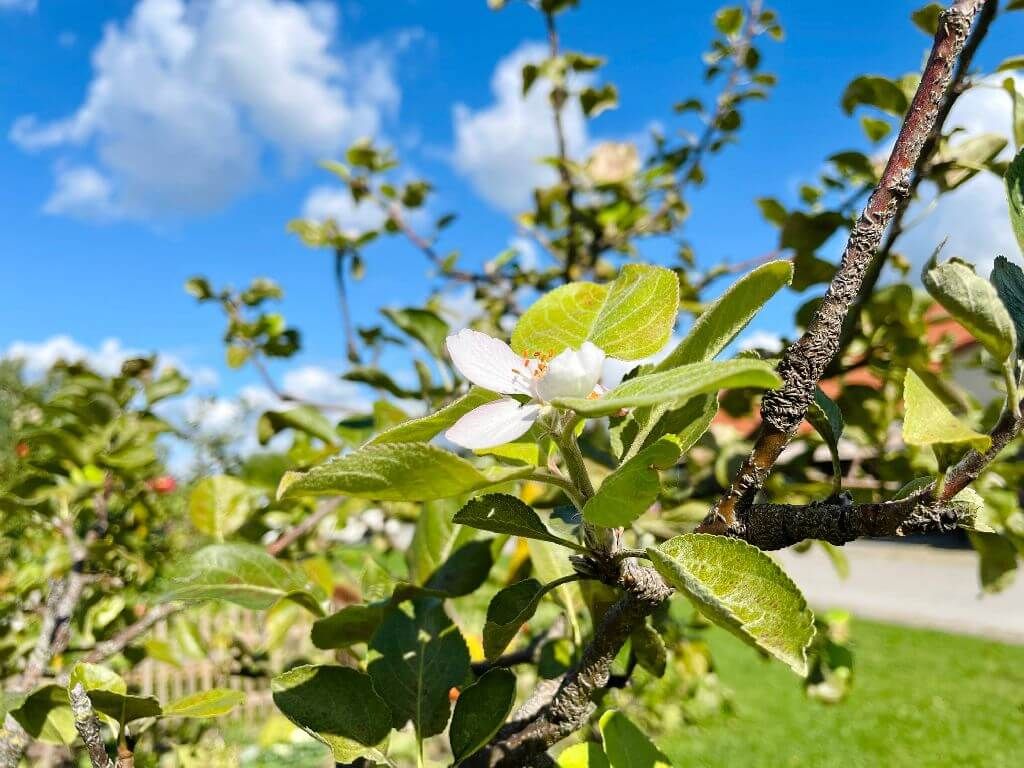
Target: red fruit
(162, 484)
(21, 450)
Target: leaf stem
(559, 482)
(1012, 391)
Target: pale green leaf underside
(212, 703)
(928, 421)
(721, 322)
(742, 590)
(426, 428)
(677, 384)
(243, 574)
(974, 303)
(396, 472)
(629, 319)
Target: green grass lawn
(920, 699)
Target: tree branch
(571, 704)
(88, 727)
(805, 361)
(957, 86)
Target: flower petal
(495, 423)
(490, 363)
(572, 373)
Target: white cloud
(974, 216)
(28, 6)
(498, 147)
(38, 357)
(766, 340)
(81, 192)
(327, 202)
(187, 96)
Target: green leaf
(958, 163)
(631, 489)
(212, 703)
(10, 701)
(93, 677)
(124, 707)
(586, 754)
(352, 624)
(509, 609)
(875, 91)
(549, 564)
(627, 746)
(1016, 111)
(741, 589)
(1008, 280)
(997, 560)
(677, 384)
(435, 538)
(427, 427)
(1011, 63)
(927, 18)
(465, 570)
(594, 101)
(423, 325)
(1015, 196)
(729, 21)
(644, 426)
(726, 318)
(824, 415)
(45, 714)
(502, 513)
(480, 711)
(335, 705)
(377, 379)
(242, 574)
(420, 660)
(396, 472)
(875, 129)
(629, 319)
(219, 505)
(973, 302)
(927, 420)
(304, 419)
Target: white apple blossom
(490, 363)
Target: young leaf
(212, 703)
(631, 489)
(335, 705)
(1008, 279)
(643, 426)
(501, 513)
(396, 472)
(730, 313)
(629, 319)
(45, 715)
(627, 746)
(423, 325)
(480, 711)
(242, 574)
(509, 609)
(420, 661)
(649, 649)
(1015, 196)
(93, 677)
(742, 590)
(677, 384)
(927, 420)
(427, 427)
(973, 302)
(824, 415)
(219, 505)
(124, 707)
(304, 418)
(587, 754)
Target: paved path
(912, 585)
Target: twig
(805, 361)
(296, 532)
(88, 727)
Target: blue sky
(109, 206)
